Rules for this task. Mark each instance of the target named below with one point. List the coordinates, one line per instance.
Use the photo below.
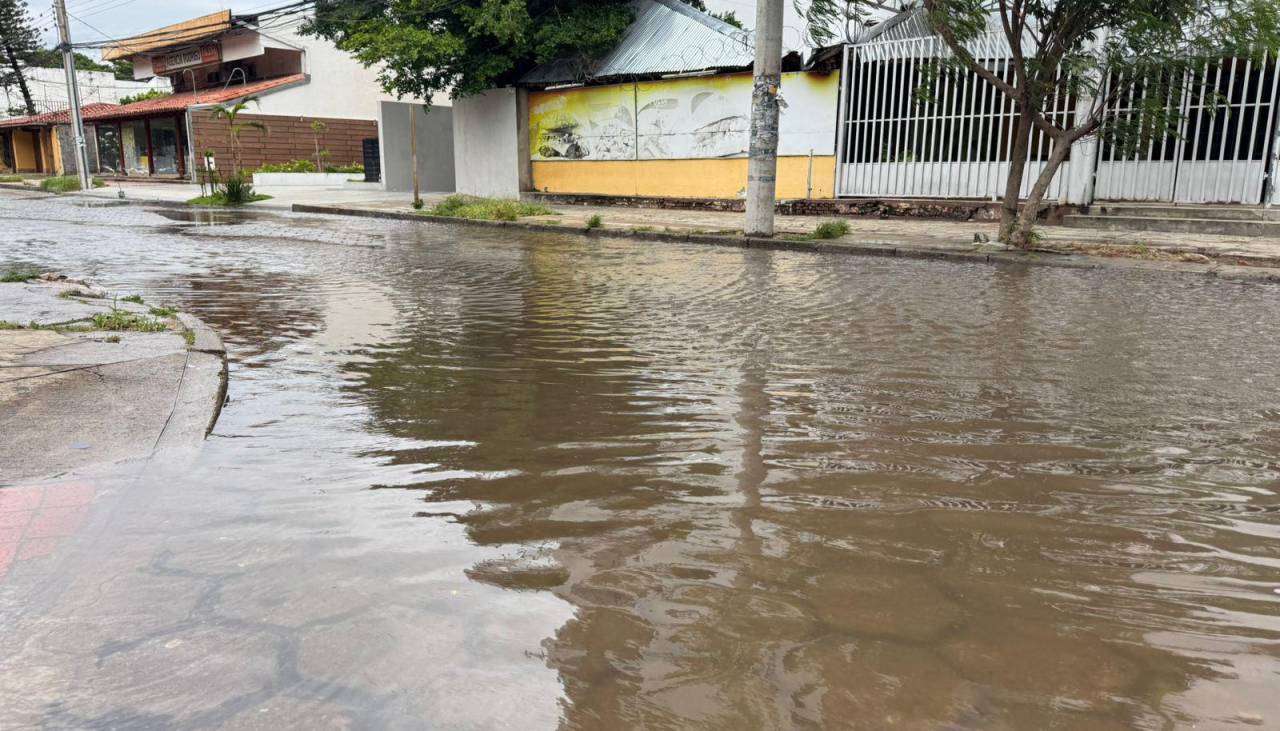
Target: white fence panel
(954, 142)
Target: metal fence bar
(1226, 124)
(1270, 151)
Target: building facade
(48, 89)
(306, 93)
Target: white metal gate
(955, 145)
(1222, 151)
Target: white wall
(49, 89)
(340, 86)
(488, 154)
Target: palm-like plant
(231, 113)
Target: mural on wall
(678, 119)
(596, 126)
(698, 117)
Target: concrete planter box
(312, 179)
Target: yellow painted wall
(678, 138)
(724, 178)
(24, 148)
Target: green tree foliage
(19, 42)
(1075, 46)
(51, 58)
(467, 46)
(142, 96)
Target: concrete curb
(206, 341)
(1065, 260)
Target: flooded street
(473, 479)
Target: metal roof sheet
(667, 37)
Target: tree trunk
(1022, 234)
(1017, 170)
(22, 79)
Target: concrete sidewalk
(77, 399)
(865, 233)
(283, 197)
(921, 234)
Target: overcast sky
(96, 19)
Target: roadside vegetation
(490, 209)
(13, 276)
(120, 320)
(10, 178)
(307, 166)
(66, 184)
(595, 222)
(830, 230)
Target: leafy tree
(467, 46)
(19, 42)
(1074, 46)
(51, 58)
(142, 96)
(123, 69)
(235, 126)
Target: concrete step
(1219, 213)
(1215, 226)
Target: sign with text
(208, 53)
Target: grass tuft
(66, 184)
(163, 312)
(14, 276)
(119, 320)
(218, 200)
(830, 230)
(489, 209)
(10, 178)
(134, 298)
(595, 221)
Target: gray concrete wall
(488, 130)
(435, 147)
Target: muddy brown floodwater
(472, 479)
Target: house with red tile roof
(294, 81)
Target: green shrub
(292, 166)
(66, 184)
(491, 209)
(143, 96)
(595, 222)
(354, 167)
(236, 190)
(10, 178)
(830, 230)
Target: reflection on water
(656, 486)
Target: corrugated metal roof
(908, 24)
(667, 37)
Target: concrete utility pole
(762, 162)
(73, 93)
(413, 152)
